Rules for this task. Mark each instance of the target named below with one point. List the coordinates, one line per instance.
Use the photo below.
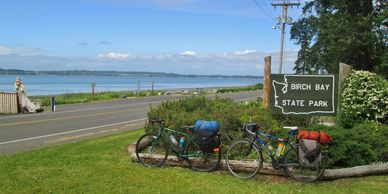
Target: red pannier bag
(320, 136)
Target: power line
(268, 8)
(266, 5)
(264, 11)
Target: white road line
(80, 110)
(68, 132)
(108, 107)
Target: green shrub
(363, 144)
(186, 111)
(364, 98)
(230, 114)
(241, 89)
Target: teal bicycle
(152, 149)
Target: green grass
(103, 166)
(87, 97)
(241, 89)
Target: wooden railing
(9, 103)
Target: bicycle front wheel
(244, 159)
(200, 160)
(151, 151)
(300, 171)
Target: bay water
(53, 85)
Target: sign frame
(306, 97)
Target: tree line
(117, 73)
(348, 31)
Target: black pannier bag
(310, 153)
(207, 137)
(208, 144)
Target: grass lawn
(87, 97)
(109, 95)
(103, 166)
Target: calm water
(51, 85)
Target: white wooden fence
(9, 103)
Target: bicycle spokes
(243, 159)
(151, 151)
(298, 170)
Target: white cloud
(246, 52)
(245, 62)
(189, 53)
(160, 57)
(116, 56)
(24, 51)
(5, 50)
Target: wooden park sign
(303, 94)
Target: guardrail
(9, 103)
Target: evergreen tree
(348, 31)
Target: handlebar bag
(206, 128)
(320, 136)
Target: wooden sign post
(267, 81)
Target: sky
(206, 37)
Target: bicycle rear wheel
(200, 160)
(300, 172)
(243, 159)
(151, 151)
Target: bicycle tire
(202, 161)
(240, 153)
(299, 172)
(150, 151)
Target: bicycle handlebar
(160, 121)
(251, 128)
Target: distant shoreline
(167, 90)
(118, 73)
(72, 98)
(43, 84)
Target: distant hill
(116, 73)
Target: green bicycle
(152, 149)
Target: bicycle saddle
(187, 127)
(293, 128)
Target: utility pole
(138, 88)
(153, 84)
(284, 20)
(93, 85)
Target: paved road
(71, 123)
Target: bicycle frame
(163, 133)
(262, 145)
